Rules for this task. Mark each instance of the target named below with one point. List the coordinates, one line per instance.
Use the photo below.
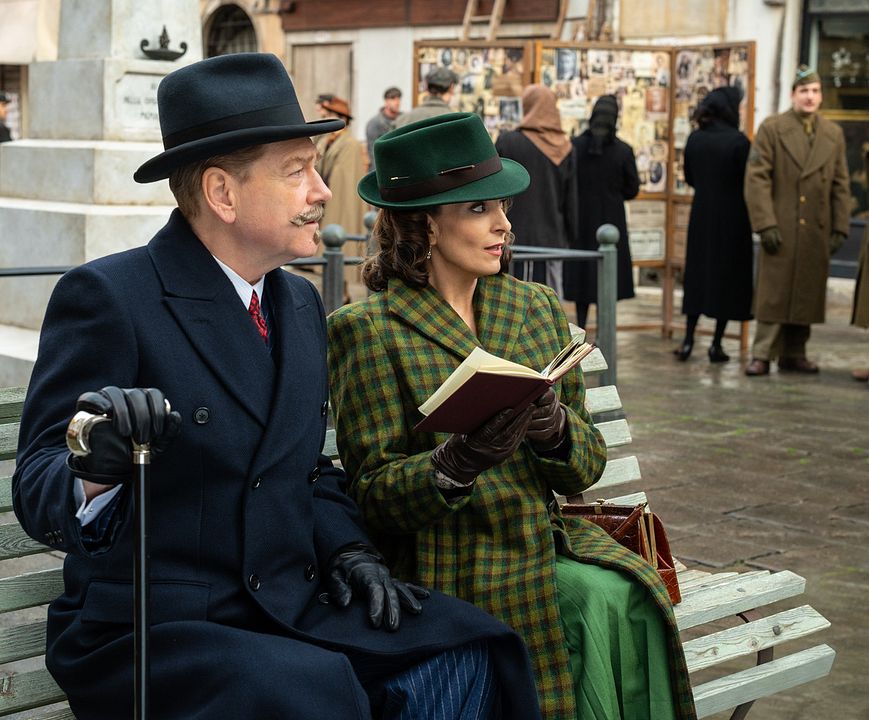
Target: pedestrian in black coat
(718, 260)
(606, 177)
(545, 215)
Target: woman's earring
(428, 254)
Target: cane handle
(79, 429)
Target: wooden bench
(710, 601)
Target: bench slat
(742, 594)
(602, 399)
(615, 432)
(30, 589)
(616, 472)
(631, 499)
(752, 637)
(11, 403)
(593, 363)
(28, 690)
(8, 440)
(763, 680)
(14, 542)
(715, 579)
(22, 641)
(5, 494)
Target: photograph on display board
(698, 71)
(491, 80)
(640, 80)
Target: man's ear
(219, 193)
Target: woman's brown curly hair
(402, 239)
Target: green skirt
(617, 645)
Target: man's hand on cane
(140, 415)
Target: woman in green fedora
(473, 515)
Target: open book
(485, 384)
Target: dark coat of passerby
(796, 190)
(383, 121)
(545, 215)
(606, 177)
(5, 134)
(719, 254)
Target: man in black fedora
(267, 598)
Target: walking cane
(77, 440)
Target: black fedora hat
(224, 104)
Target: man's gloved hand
(770, 240)
(463, 457)
(548, 419)
(138, 414)
(837, 239)
(361, 568)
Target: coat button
(324, 408)
(201, 415)
(802, 198)
(314, 475)
(323, 598)
(253, 582)
(310, 573)
(802, 221)
(256, 483)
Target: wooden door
(318, 69)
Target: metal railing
(333, 262)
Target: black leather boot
(717, 354)
(683, 352)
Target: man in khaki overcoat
(796, 190)
(860, 315)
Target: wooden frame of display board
(646, 80)
(492, 76)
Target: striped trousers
(458, 684)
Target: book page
(478, 361)
(569, 357)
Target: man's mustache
(315, 214)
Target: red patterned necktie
(257, 316)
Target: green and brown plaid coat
(497, 548)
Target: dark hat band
(443, 181)
(287, 114)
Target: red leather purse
(639, 531)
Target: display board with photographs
(697, 71)
(491, 78)
(640, 80)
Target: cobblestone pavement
(764, 473)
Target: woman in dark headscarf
(545, 215)
(606, 177)
(718, 261)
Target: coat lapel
(795, 141)
(822, 149)
(497, 304)
(425, 310)
(209, 312)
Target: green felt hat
(440, 160)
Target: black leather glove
(361, 568)
(135, 414)
(770, 240)
(548, 419)
(837, 239)
(463, 457)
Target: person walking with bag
(719, 252)
(474, 515)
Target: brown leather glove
(463, 457)
(770, 240)
(546, 430)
